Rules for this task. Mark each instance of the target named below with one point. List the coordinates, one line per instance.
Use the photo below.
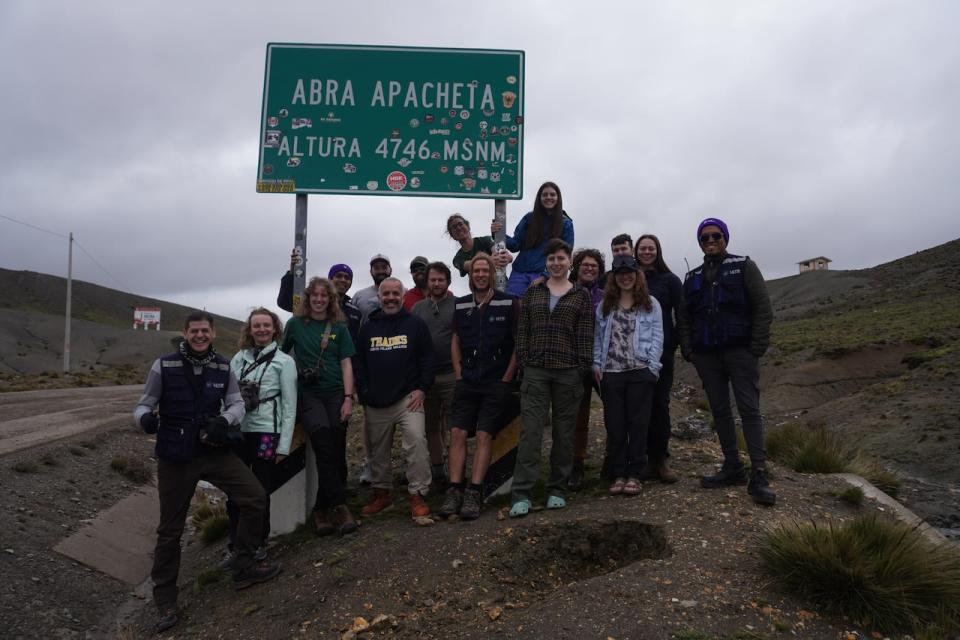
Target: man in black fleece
(394, 371)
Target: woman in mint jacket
(627, 345)
(268, 383)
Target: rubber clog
(520, 508)
(556, 502)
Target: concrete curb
(898, 510)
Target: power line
(102, 268)
(77, 242)
(33, 226)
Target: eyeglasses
(707, 237)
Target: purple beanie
(717, 222)
(337, 268)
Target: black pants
(658, 434)
(738, 368)
(176, 483)
(263, 471)
(626, 413)
(320, 416)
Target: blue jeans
(520, 281)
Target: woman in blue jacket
(268, 384)
(627, 345)
(547, 221)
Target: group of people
(444, 369)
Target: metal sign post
(499, 239)
(66, 331)
(299, 265)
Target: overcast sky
(813, 128)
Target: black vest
(719, 311)
(486, 336)
(181, 415)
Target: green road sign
(350, 119)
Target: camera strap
(263, 359)
(324, 342)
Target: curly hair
(334, 312)
(246, 336)
(611, 294)
(578, 259)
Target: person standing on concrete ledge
(394, 373)
(723, 323)
(200, 409)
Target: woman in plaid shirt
(555, 349)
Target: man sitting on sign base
(484, 363)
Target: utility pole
(66, 332)
(300, 249)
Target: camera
(309, 376)
(250, 392)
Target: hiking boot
(382, 498)
(321, 523)
(575, 482)
(452, 502)
(260, 554)
(166, 618)
(726, 477)
(418, 508)
(343, 520)
(759, 488)
(472, 502)
(255, 573)
(667, 475)
(228, 558)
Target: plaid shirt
(557, 339)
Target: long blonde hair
(334, 312)
(611, 294)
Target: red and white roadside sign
(146, 317)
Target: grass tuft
(814, 449)
(873, 571)
(26, 466)
(209, 576)
(851, 495)
(214, 528)
(132, 467)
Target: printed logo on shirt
(387, 343)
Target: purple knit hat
(718, 223)
(337, 268)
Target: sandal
(556, 502)
(617, 487)
(632, 487)
(520, 508)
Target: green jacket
(277, 376)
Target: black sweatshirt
(394, 357)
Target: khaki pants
(380, 427)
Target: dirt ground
(675, 559)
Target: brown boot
(650, 471)
(667, 475)
(321, 523)
(418, 507)
(343, 519)
(382, 498)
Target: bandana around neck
(194, 358)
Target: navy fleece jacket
(394, 357)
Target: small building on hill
(815, 264)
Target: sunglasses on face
(707, 237)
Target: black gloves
(216, 432)
(149, 422)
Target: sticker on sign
(396, 180)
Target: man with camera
(192, 402)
